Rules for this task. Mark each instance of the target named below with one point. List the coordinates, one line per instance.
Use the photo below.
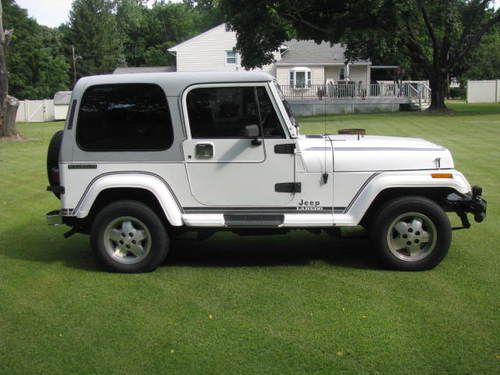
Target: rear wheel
(128, 236)
(411, 233)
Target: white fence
(483, 91)
(35, 110)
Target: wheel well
(108, 196)
(437, 195)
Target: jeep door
(232, 131)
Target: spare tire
(53, 161)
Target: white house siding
(332, 73)
(317, 75)
(359, 73)
(207, 52)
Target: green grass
(289, 304)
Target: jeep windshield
(287, 106)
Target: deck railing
(348, 90)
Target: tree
(8, 105)
(94, 33)
(147, 33)
(438, 37)
(484, 64)
(37, 67)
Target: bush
(457, 93)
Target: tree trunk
(438, 83)
(8, 105)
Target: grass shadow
(296, 248)
(224, 249)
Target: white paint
(483, 91)
(35, 111)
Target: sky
(48, 12)
(54, 12)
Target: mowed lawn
(287, 304)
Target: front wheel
(411, 234)
(129, 237)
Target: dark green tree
(147, 33)
(438, 37)
(484, 63)
(37, 67)
(94, 33)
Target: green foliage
(37, 68)
(148, 33)
(93, 31)
(457, 93)
(485, 63)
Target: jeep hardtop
(145, 156)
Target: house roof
(143, 69)
(308, 52)
(188, 41)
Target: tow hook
(70, 232)
(468, 203)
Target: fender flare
(139, 180)
(379, 182)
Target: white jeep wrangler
(143, 156)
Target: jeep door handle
(204, 151)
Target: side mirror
(253, 131)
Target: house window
(230, 57)
(342, 74)
(300, 78)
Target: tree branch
(475, 38)
(428, 25)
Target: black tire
(397, 208)
(53, 159)
(159, 239)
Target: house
(298, 63)
(314, 78)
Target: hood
(373, 153)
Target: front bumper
(54, 217)
(472, 203)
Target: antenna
(325, 172)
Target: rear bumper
(54, 217)
(472, 203)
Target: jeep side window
(124, 117)
(221, 112)
(271, 124)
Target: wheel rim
(412, 236)
(127, 240)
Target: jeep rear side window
(224, 112)
(124, 117)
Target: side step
(253, 220)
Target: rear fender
(151, 182)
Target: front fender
(148, 181)
(405, 179)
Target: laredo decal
(309, 206)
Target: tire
(53, 159)
(119, 232)
(411, 234)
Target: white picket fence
(483, 91)
(35, 111)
